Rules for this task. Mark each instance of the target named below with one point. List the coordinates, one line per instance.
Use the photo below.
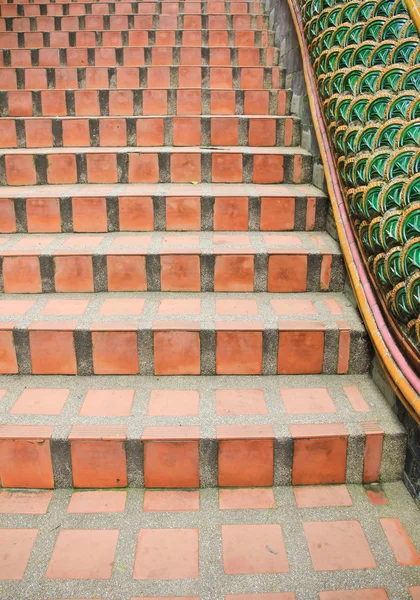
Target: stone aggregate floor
(344, 542)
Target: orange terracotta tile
(262, 132)
(7, 216)
(136, 214)
(268, 168)
(224, 131)
(249, 549)
(365, 594)
(126, 273)
(59, 307)
(187, 306)
(24, 503)
(298, 401)
(185, 168)
(300, 352)
(183, 213)
(234, 273)
(25, 456)
(246, 498)
(129, 307)
(20, 170)
(277, 214)
(73, 274)
(102, 168)
(43, 215)
(239, 352)
(8, 359)
(89, 214)
(287, 272)
(415, 592)
(373, 451)
(326, 272)
(109, 403)
(236, 307)
(356, 399)
(343, 347)
(322, 496)
(21, 274)
(401, 545)
(97, 502)
(177, 353)
(40, 401)
(377, 496)
(180, 273)
(293, 307)
(226, 168)
(230, 213)
(173, 403)
(115, 353)
(338, 545)
(240, 402)
(171, 501)
(166, 554)
(16, 547)
(171, 464)
(52, 352)
(96, 560)
(61, 168)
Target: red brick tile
(108, 403)
(61, 168)
(162, 55)
(373, 451)
(224, 131)
(333, 306)
(25, 456)
(338, 545)
(240, 402)
(356, 399)
(102, 168)
(377, 496)
(136, 214)
(326, 272)
(177, 353)
(155, 102)
(40, 401)
(365, 594)
(13, 308)
(171, 501)
(277, 214)
(24, 503)
(414, 591)
(20, 104)
(112, 132)
(320, 454)
(73, 274)
(180, 273)
(43, 215)
(262, 132)
(121, 102)
(222, 102)
(321, 496)
(16, 547)
(268, 168)
(310, 214)
(401, 545)
(236, 307)
(189, 306)
(251, 549)
(7, 216)
(143, 168)
(39, 133)
(297, 168)
(287, 272)
(98, 456)
(97, 78)
(183, 213)
(171, 403)
(300, 352)
(126, 273)
(97, 502)
(166, 554)
(226, 168)
(20, 169)
(308, 401)
(189, 77)
(234, 273)
(246, 498)
(86, 103)
(188, 102)
(8, 360)
(171, 457)
(274, 596)
(293, 307)
(8, 135)
(115, 352)
(59, 307)
(96, 560)
(53, 352)
(185, 168)
(238, 352)
(149, 132)
(256, 102)
(89, 214)
(122, 306)
(343, 347)
(231, 214)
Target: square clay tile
(131, 240)
(16, 547)
(309, 401)
(170, 463)
(338, 546)
(173, 403)
(273, 596)
(166, 554)
(171, 501)
(236, 306)
(239, 352)
(24, 503)
(178, 306)
(94, 562)
(177, 353)
(240, 402)
(403, 548)
(318, 496)
(107, 403)
(128, 307)
(377, 496)
(365, 594)
(97, 502)
(415, 592)
(231, 240)
(293, 307)
(15, 308)
(83, 241)
(58, 307)
(282, 240)
(249, 549)
(33, 242)
(40, 401)
(246, 498)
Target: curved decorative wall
(364, 75)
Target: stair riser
(109, 8)
(78, 103)
(137, 57)
(66, 78)
(136, 38)
(275, 461)
(205, 213)
(118, 22)
(113, 350)
(154, 167)
(128, 270)
(145, 131)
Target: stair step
(133, 57)
(136, 7)
(136, 131)
(119, 22)
(219, 431)
(207, 207)
(128, 102)
(171, 262)
(135, 38)
(247, 164)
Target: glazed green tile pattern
(366, 57)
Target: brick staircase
(172, 307)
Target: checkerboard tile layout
(263, 539)
(214, 434)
